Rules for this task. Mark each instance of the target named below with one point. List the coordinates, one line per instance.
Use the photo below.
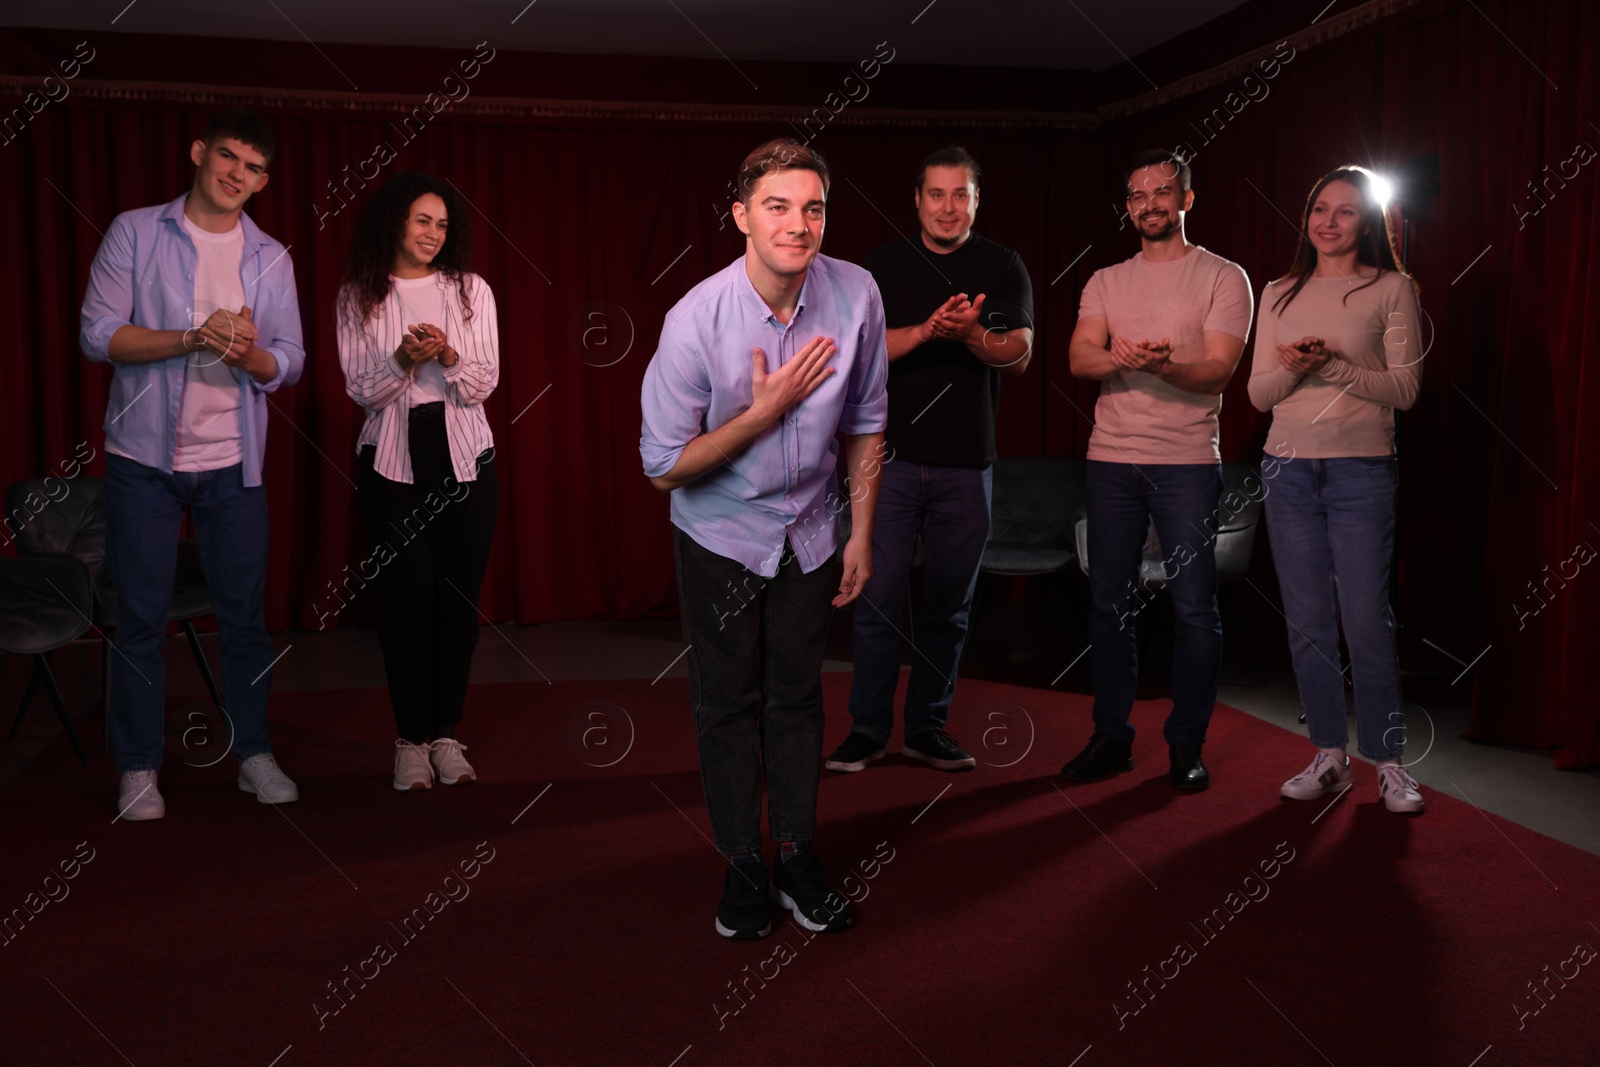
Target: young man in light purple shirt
(196, 310)
(766, 388)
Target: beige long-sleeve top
(1346, 408)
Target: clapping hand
(1306, 356)
(1146, 356)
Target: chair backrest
(1035, 499)
(1243, 490)
(59, 516)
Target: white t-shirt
(210, 435)
(422, 301)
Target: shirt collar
(753, 300)
(253, 237)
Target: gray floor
(1517, 784)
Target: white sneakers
(412, 771)
(1329, 773)
(452, 766)
(139, 800)
(1398, 789)
(262, 776)
(415, 766)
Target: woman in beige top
(1337, 351)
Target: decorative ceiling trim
(383, 106)
(1239, 66)
(390, 106)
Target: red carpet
(1002, 920)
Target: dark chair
(45, 602)
(73, 522)
(1034, 500)
(1238, 519)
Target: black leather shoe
(1188, 772)
(1101, 758)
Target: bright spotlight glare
(1382, 190)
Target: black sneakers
(744, 914)
(1101, 758)
(939, 749)
(857, 751)
(799, 885)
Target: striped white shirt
(375, 381)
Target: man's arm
(901, 341)
(1207, 376)
(1089, 354)
(863, 458)
(771, 396)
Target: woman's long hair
(1374, 245)
(377, 238)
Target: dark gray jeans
(755, 687)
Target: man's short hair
(783, 153)
(951, 156)
(244, 127)
(1155, 157)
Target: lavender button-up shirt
(143, 275)
(784, 485)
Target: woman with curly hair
(1337, 352)
(421, 353)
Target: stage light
(1383, 190)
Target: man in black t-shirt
(959, 310)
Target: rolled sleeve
(287, 343)
(674, 400)
(866, 401)
(108, 300)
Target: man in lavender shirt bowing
(769, 374)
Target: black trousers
(755, 686)
(430, 541)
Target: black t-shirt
(943, 400)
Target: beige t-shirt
(1139, 418)
(1346, 408)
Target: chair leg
(27, 698)
(42, 668)
(200, 658)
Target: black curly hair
(377, 235)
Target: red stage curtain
(1499, 463)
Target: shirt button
(794, 468)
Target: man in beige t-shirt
(1162, 332)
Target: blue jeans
(1331, 525)
(949, 507)
(144, 514)
(1121, 501)
(755, 688)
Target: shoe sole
(465, 779)
(784, 900)
(1187, 787)
(942, 764)
(414, 787)
(129, 816)
(858, 765)
(1109, 774)
(262, 798)
(1326, 791)
(744, 935)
